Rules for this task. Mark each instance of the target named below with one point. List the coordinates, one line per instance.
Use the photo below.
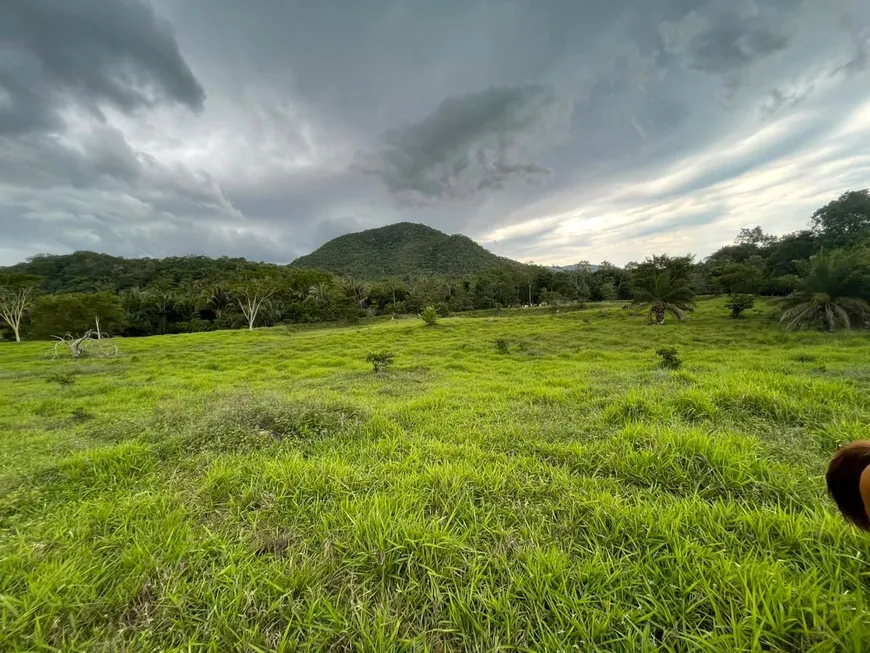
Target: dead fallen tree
(89, 344)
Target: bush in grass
(62, 378)
(81, 415)
(243, 421)
(739, 302)
(380, 360)
(670, 360)
(502, 346)
(429, 316)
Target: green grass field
(258, 491)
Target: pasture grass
(523, 482)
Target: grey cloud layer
(89, 53)
(263, 129)
(470, 143)
(728, 34)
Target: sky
(551, 131)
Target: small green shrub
(81, 415)
(380, 360)
(670, 360)
(429, 316)
(738, 303)
(62, 378)
(502, 346)
(351, 315)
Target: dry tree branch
(79, 347)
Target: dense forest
(54, 295)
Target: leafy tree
(738, 303)
(16, 298)
(78, 313)
(748, 244)
(660, 284)
(610, 282)
(754, 236)
(834, 292)
(844, 221)
(784, 285)
(784, 256)
(734, 278)
(429, 316)
(380, 361)
(388, 296)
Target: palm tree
(662, 293)
(355, 290)
(219, 299)
(319, 292)
(275, 310)
(831, 293)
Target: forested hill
(93, 272)
(399, 250)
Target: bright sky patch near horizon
(555, 131)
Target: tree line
(55, 295)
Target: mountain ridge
(401, 249)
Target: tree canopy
(404, 268)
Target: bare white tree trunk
(13, 305)
(97, 322)
(250, 303)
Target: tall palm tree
(832, 293)
(662, 293)
(355, 290)
(319, 292)
(219, 298)
(140, 310)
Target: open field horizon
(519, 482)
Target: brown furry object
(849, 489)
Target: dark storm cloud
(471, 143)
(103, 161)
(655, 124)
(728, 35)
(89, 53)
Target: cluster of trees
(824, 270)
(185, 300)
